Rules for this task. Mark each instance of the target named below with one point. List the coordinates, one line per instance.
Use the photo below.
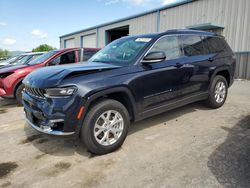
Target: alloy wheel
(108, 127)
(220, 92)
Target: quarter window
(169, 45)
(216, 44)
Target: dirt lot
(188, 147)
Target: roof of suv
(177, 32)
(189, 31)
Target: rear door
(196, 56)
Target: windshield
(42, 57)
(121, 52)
(12, 59)
(22, 60)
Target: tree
(3, 53)
(43, 48)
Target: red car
(11, 76)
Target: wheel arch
(18, 83)
(121, 94)
(225, 72)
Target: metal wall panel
(243, 65)
(69, 43)
(89, 41)
(234, 15)
(77, 38)
(139, 25)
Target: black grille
(39, 93)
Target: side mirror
(51, 63)
(154, 57)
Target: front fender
(88, 99)
(123, 89)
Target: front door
(160, 83)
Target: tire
(18, 94)
(97, 118)
(213, 99)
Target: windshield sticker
(143, 40)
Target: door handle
(178, 65)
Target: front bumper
(53, 116)
(48, 130)
(2, 92)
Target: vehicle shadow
(163, 118)
(7, 103)
(54, 145)
(230, 162)
(60, 146)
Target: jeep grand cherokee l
(11, 77)
(132, 78)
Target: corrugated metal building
(230, 18)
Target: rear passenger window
(192, 45)
(87, 54)
(67, 58)
(216, 44)
(169, 45)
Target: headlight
(60, 92)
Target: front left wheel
(105, 126)
(18, 94)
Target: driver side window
(169, 45)
(62, 59)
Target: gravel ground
(192, 146)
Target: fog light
(53, 122)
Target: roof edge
(178, 3)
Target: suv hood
(52, 76)
(11, 68)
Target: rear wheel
(105, 127)
(217, 92)
(18, 94)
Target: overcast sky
(24, 24)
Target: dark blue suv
(132, 78)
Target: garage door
(70, 43)
(89, 41)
